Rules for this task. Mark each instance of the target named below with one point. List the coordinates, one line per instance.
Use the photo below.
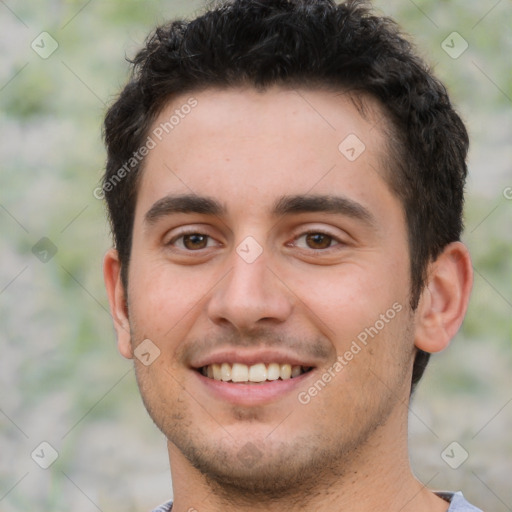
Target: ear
(117, 299)
(445, 298)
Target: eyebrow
(186, 203)
(285, 205)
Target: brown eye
(195, 241)
(318, 240)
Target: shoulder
(164, 507)
(457, 502)
(456, 499)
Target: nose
(251, 295)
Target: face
(267, 242)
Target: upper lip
(251, 357)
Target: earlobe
(117, 300)
(445, 298)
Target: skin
(307, 296)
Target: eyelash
(334, 239)
(186, 233)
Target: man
(285, 188)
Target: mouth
(258, 373)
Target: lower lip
(252, 394)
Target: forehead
(262, 143)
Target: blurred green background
(61, 378)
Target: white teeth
(273, 372)
(239, 373)
(217, 374)
(286, 371)
(296, 371)
(225, 372)
(259, 372)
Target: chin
(260, 468)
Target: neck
(378, 477)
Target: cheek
(352, 296)
(162, 297)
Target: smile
(257, 373)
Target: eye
(192, 241)
(316, 240)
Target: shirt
(456, 500)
